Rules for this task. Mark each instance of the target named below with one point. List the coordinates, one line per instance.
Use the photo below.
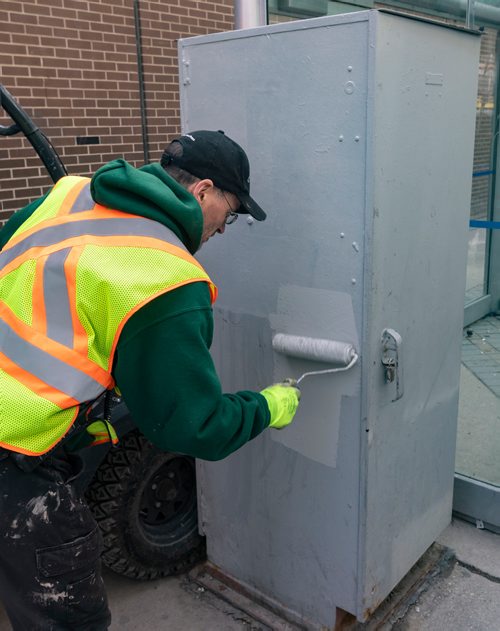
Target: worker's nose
(222, 228)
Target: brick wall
(72, 65)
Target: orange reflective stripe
(80, 339)
(103, 213)
(67, 355)
(134, 227)
(145, 302)
(213, 292)
(107, 213)
(39, 321)
(119, 240)
(70, 198)
(101, 441)
(27, 256)
(38, 386)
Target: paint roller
(318, 350)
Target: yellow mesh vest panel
(112, 281)
(23, 429)
(50, 206)
(19, 301)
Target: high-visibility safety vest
(70, 278)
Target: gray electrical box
(359, 130)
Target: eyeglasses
(231, 215)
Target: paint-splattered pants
(50, 577)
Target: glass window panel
(478, 440)
(483, 172)
(285, 10)
(478, 443)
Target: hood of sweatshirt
(149, 192)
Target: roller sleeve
(314, 349)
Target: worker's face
(216, 207)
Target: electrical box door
(359, 130)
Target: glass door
(478, 301)
(477, 479)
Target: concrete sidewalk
(462, 594)
(467, 596)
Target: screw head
(349, 87)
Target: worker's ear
(200, 189)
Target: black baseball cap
(213, 155)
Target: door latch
(391, 360)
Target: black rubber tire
(144, 501)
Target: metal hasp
(350, 125)
(391, 360)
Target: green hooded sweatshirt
(162, 366)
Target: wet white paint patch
(324, 314)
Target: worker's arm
(168, 381)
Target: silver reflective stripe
(124, 226)
(57, 306)
(54, 372)
(84, 201)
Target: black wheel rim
(169, 494)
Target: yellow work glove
(283, 401)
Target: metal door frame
(477, 502)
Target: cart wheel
(144, 501)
